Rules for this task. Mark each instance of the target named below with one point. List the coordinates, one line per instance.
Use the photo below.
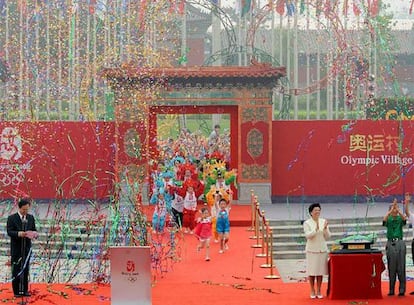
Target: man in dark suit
(21, 228)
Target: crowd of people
(196, 146)
(191, 187)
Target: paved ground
(290, 270)
(299, 211)
(293, 270)
(276, 211)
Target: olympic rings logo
(11, 178)
(10, 144)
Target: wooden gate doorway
(198, 121)
(244, 92)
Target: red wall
(75, 160)
(69, 160)
(315, 158)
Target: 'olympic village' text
(376, 160)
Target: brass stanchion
(256, 221)
(265, 248)
(267, 264)
(271, 276)
(257, 230)
(253, 210)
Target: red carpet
(240, 214)
(232, 278)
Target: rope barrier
(271, 276)
(268, 263)
(265, 246)
(255, 222)
(265, 234)
(253, 210)
(257, 229)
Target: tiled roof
(257, 70)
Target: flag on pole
(61, 7)
(176, 7)
(245, 6)
(319, 7)
(280, 7)
(92, 6)
(302, 6)
(328, 6)
(356, 9)
(37, 12)
(181, 7)
(4, 71)
(345, 8)
(73, 11)
(2, 6)
(373, 7)
(22, 6)
(290, 7)
(141, 14)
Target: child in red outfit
(190, 208)
(203, 231)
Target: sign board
(64, 160)
(130, 275)
(342, 159)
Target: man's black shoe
(412, 292)
(401, 294)
(391, 293)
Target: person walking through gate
(395, 249)
(203, 231)
(21, 229)
(223, 224)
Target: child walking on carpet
(223, 224)
(159, 215)
(203, 231)
(214, 207)
(190, 207)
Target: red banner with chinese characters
(342, 158)
(63, 160)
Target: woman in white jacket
(316, 232)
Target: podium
(355, 275)
(130, 275)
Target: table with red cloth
(355, 275)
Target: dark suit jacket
(14, 225)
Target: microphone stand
(22, 265)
